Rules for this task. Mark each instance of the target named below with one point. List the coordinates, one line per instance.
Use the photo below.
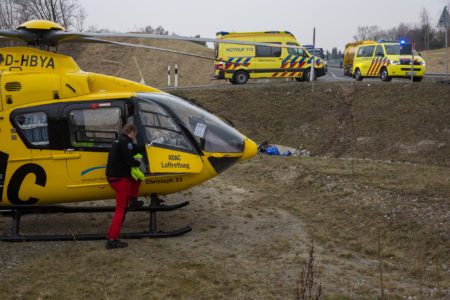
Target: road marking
(332, 74)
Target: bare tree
(368, 33)
(65, 12)
(426, 27)
(158, 31)
(12, 14)
(68, 13)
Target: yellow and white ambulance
(387, 60)
(238, 63)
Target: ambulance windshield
(398, 49)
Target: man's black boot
(112, 244)
(135, 203)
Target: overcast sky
(336, 21)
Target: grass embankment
(254, 224)
(435, 61)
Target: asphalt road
(334, 74)
(337, 74)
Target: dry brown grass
(253, 227)
(153, 64)
(393, 121)
(435, 60)
(254, 223)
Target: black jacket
(120, 158)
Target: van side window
(34, 127)
(94, 127)
(263, 51)
(295, 51)
(379, 51)
(368, 51)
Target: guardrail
(335, 63)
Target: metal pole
(412, 62)
(446, 42)
(312, 60)
(176, 75)
(168, 75)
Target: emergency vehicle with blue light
(387, 60)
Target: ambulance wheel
(240, 77)
(384, 76)
(358, 76)
(306, 75)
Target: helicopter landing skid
(17, 211)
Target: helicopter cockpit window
(95, 127)
(34, 127)
(211, 133)
(160, 128)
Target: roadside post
(176, 75)
(311, 75)
(444, 20)
(412, 62)
(168, 75)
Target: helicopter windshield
(159, 127)
(211, 133)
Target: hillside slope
(119, 61)
(387, 121)
(435, 60)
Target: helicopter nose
(250, 149)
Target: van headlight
(421, 63)
(394, 62)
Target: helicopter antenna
(139, 69)
(115, 62)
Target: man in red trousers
(121, 160)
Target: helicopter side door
(93, 126)
(169, 149)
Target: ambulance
(238, 63)
(387, 60)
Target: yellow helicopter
(57, 124)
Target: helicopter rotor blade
(91, 40)
(17, 35)
(62, 36)
(54, 36)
